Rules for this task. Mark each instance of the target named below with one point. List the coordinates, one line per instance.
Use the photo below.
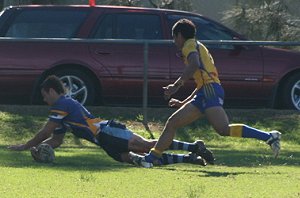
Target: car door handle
(102, 52)
(251, 79)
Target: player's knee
(152, 143)
(172, 123)
(223, 130)
(149, 145)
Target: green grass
(244, 167)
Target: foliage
(124, 2)
(164, 4)
(264, 20)
(172, 4)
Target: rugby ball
(45, 153)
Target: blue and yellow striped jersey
(207, 72)
(71, 114)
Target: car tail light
(92, 3)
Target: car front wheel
(291, 92)
(78, 85)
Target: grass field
(244, 168)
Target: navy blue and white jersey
(71, 114)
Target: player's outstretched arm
(56, 140)
(42, 135)
(178, 103)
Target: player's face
(48, 97)
(178, 40)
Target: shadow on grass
(210, 173)
(254, 158)
(222, 174)
(240, 159)
(88, 159)
(95, 159)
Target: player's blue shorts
(113, 138)
(116, 129)
(210, 95)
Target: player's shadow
(255, 157)
(252, 160)
(93, 159)
(202, 172)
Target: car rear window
(206, 30)
(129, 26)
(46, 24)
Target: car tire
(79, 85)
(291, 92)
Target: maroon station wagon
(112, 73)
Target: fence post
(145, 84)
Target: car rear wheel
(291, 92)
(78, 85)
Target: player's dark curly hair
(186, 27)
(53, 82)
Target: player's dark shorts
(210, 95)
(113, 138)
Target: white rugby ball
(46, 153)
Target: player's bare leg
(219, 120)
(217, 117)
(139, 144)
(142, 145)
(182, 117)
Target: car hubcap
(295, 94)
(75, 88)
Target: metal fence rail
(134, 41)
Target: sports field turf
(244, 168)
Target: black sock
(168, 158)
(185, 146)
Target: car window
(206, 30)
(2, 20)
(129, 26)
(46, 24)
(105, 28)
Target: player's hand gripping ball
(43, 153)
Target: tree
(124, 2)
(172, 4)
(164, 4)
(264, 20)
